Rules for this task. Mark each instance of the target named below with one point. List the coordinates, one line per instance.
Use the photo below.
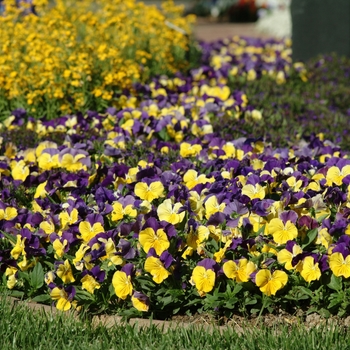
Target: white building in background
(274, 18)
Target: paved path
(211, 31)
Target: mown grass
(23, 328)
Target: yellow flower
(192, 179)
(122, 284)
(203, 279)
(47, 226)
(339, 265)
(188, 150)
(71, 163)
(40, 190)
(18, 249)
(282, 233)
(212, 206)
(79, 256)
(157, 240)
(310, 271)
(48, 162)
(88, 232)
(149, 192)
(169, 213)
(61, 296)
(59, 247)
(65, 273)
(140, 302)
(119, 212)
(253, 192)
(90, 284)
(68, 219)
(195, 238)
(269, 283)
(8, 214)
(11, 277)
(156, 268)
(20, 171)
(285, 257)
(240, 272)
(335, 175)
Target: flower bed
(152, 208)
(70, 57)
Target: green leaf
(10, 237)
(37, 277)
(163, 134)
(41, 298)
(250, 301)
(335, 283)
(165, 301)
(237, 289)
(334, 302)
(324, 313)
(305, 291)
(82, 295)
(310, 237)
(16, 293)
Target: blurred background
(270, 18)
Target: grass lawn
(23, 328)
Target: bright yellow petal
(122, 284)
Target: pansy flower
(19, 248)
(283, 229)
(121, 281)
(48, 159)
(11, 274)
(122, 208)
(155, 237)
(285, 256)
(64, 272)
(339, 260)
(19, 170)
(92, 278)
(240, 270)
(156, 268)
(8, 213)
(63, 297)
(91, 226)
(149, 190)
(310, 269)
(140, 301)
(68, 217)
(212, 206)
(270, 283)
(169, 212)
(204, 275)
(188, 150)
(192, 179)
(336, 174)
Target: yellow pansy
(203, 279)
(169, 212)
(156, 268)
(150, 239)
(269, 283)
(149, 192)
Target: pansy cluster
(146, 205)
(59, 57)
